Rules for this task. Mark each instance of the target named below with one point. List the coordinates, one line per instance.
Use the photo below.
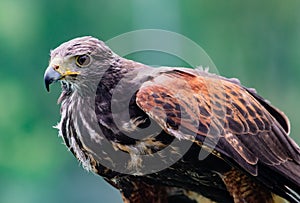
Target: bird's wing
(233, 120)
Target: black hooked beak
(51, 76)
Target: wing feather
(246, 128)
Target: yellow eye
(83, 60)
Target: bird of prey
(171, 134)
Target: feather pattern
(115, 112)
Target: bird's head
(78, 60)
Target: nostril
(55, 67)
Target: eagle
(171, 134)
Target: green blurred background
(255, 41)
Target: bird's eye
(83, 60)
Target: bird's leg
(244, 190)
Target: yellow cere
(68, 72)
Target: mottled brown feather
(233, 116)
(244, 189)
(244, 131)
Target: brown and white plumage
(112, 105)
